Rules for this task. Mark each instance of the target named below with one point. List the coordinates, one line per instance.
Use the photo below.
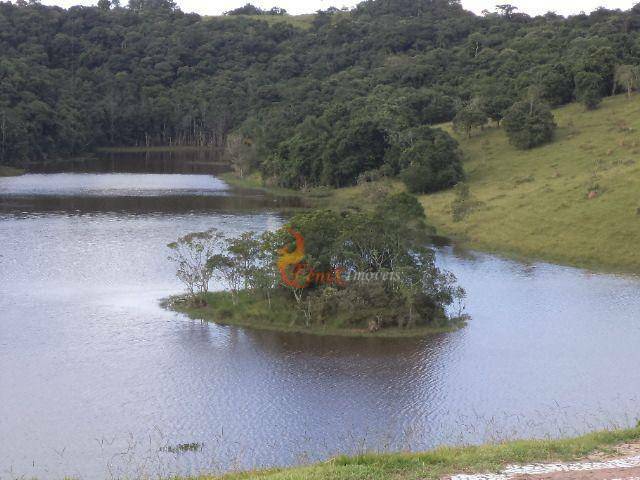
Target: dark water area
(162, 182)
(97, 380)
(63, 193)
(185, 161)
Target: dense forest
(345, 95)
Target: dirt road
(623, 465)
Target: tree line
(348, 95)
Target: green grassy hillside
(536, 203)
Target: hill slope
(535, 203)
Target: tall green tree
(626, 77)
(589, 89)
(431, 161)
(529, 124)
(470, 116)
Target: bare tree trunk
(297, 293)
(307, 313)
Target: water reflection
(139, 194)
(166, 205)
(185, 161)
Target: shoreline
(520, 256)
(155, 149)
(444, 461)
(340, 198)
(254, 182)
(356, 197)
(571, 202)
(11, 171)
(225, 315)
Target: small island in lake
(354, 272)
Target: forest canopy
(318, 103)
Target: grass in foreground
(10, 171)
(535, 203)
(448, 460)
(282, 316)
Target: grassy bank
(445, 461)
(254, 182)
(10, 171)
(252, 311)
(535, 204)
(361, 196)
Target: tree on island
(340, 270)
(192, 254)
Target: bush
(589, 89)
(432, 162)
(469, 117)
(370, 176)
(463, 204)
(529, 124)
(419, 179)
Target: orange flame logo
(290, 262)
(298, 274)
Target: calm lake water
(96, 380)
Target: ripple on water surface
(95, 373)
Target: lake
(97, 380)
